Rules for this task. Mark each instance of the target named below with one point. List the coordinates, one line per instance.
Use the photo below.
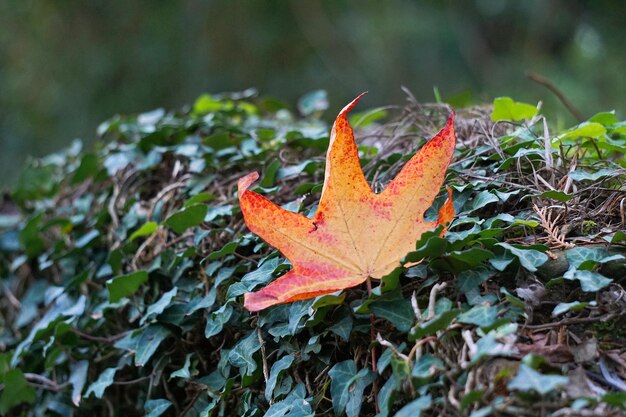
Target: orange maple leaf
(355, 233)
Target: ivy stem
(373, 343)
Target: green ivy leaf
(482, 199)
(530, 259)
(527, 379)
(580, 175)
(146, 229)
(188, 217)
(241, 354)
(586, 258)
(148, 342)
(482, 316)
(105, 380)
(591, 281)
(154, 408)
(583, 130)
(184, 371)
(440, 322)
(347, 386)
(88, 167)
(295, 405)
(415, 407)
(555, 195)
(227, 249)
(277, 368)
(217, 319)
(16, 391)
(504, 108)
(202, 197)
(160, 305)
(125, 285)
(78, 377)
(398, 312)
(573, 306)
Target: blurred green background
(65, 66)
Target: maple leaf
(355, 234)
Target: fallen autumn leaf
(355, 233)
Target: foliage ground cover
(123, 270)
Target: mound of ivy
(123, 269)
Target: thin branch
(557, 92)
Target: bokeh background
(65, 66)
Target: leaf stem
(373, 340)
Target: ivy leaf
(530, 259)
(482, 199)
(573, 306)
(125, 285)
(415, 407)
(294, 405)
(148, 342)
(154, 408)
(188, 217)
(527, 379)
(16, 391)
(146, 229)
(580, 175)
(347, 386)
(432, 326)
(504, 108)
(184, 371)
(77, 380)
(591, 281)
(217, 319)
(398, 312)
(105, 379)
(355, 234)
(586, 258)
(482, 316)
(159, 306)
(241, 354)
(585, 129)
(279, 366)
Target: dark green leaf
(279, 366)
(440, 322)
(16, 391)
(528, 258)
(88, 167)
(227, 249)
(217, 319)
(148, 342)
(125, 285)
(241, 354)
(399, 313)
(160, 305)
(579, 175)
(188, 217)
(347, 386)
